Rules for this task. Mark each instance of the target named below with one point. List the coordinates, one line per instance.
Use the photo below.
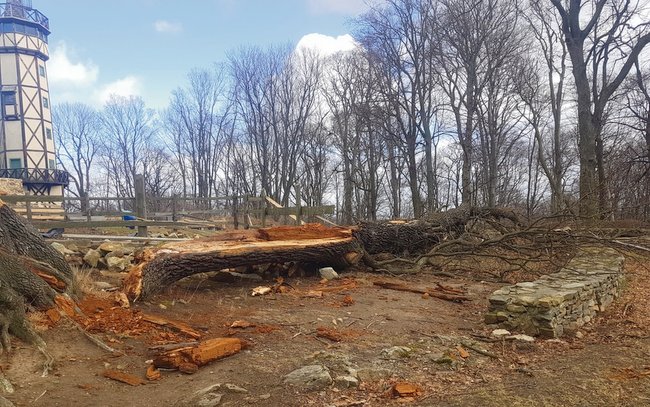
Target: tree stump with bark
(32, 274)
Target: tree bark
(31, 272)
(162, 266)
(158, 268)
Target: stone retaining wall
(562, 302)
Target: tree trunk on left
(32, 273)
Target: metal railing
(37, 176)
(22, 12)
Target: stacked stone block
(561, 302)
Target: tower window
(52, 164)
(48, 133)
(15, 163)
(41, 70)
(46, 103)
(9, 109)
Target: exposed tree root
(32, 273)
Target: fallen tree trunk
(159, 267)
(313, 244)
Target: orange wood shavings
(328, 333)
(66, 305)
(53, 314)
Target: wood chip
(241, 324)
(405, 390)
(123, 377)
(153, 374)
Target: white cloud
(346, 7)
(64, 73)
(164, 26)
(326, 45)
(72, 80)
(128, 86)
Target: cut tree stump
(31, 272)
(162, 266)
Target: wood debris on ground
(440, 291)
(189, 359)
(123, 377)
(403, 389)
(153, 374)
(242, 324)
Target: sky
(147, 47)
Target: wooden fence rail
(260, 207)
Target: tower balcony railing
(37, 176)
(24, 13)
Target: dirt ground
(609, 365)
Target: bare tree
(399, 36)
(76, 127)
(604, 41)
(275, 93)
(199, 117)
(469, 35)
(129, 130)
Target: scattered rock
(373, 374)
(207, 397)
(523, 338)
(233, 388)
(328, 273)
(118, 263)
(62, 249)
(261, 290)
(346, 382)
(579, 335)
(116, 253)
(314, 377)
(92, 258)
(109, 247)
(396, 352)
(500, 333)
(334, 361)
